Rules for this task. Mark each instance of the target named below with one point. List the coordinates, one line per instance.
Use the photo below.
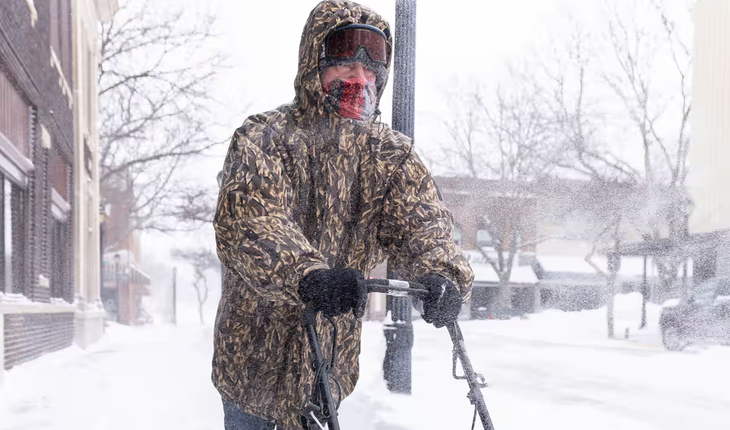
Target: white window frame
(59, 206)
(62, 82)
(7, 227)
(33, 12)
(13, 163)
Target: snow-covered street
(554, 370)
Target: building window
(457, 236)
(7, 238)
(59, 260)
(13, 212)
(17, 128)
(61, 34)
(60, 232)
(484, 239)
(61, 48)
(90, 72)
(15, 116)
(59, 174)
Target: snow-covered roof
(560, 268)
(484, 272)
(519, 275)
(630, 266)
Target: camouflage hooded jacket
(303, 189)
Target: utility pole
(102, 218)
(117, 260)
(644, 294)
(174, 295)
(399, 334)
(614, 265)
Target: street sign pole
(174, 295)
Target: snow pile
(135, 378)
(586, 327)
(555, 370)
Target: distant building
(124, 283)
(48, 55)
(555, 222)
(710, 149)
(86, 15)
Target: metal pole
(101, 253)
(399, 334)
(329, 408)
(614, 265)
(118, 295)
(404, 68)
(685, 292)
(174, 295)
(475, 392)
(644, 296)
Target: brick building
(554, 223)
(42, 72)
(124, 283)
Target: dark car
(703, 317)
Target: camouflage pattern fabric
(304, 188)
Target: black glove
(443, 304)
(334, 291)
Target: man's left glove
(443, 303)
(334, 291)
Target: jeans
(236, 419)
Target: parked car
(703, 317)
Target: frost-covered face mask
(353, 98)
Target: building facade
(125, 286)
(710, 148)
(43, 297)
(553, 224)
(87, 252)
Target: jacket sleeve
(416, 228)
(255, 233)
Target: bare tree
(201, 260)
(665, 146)
(155, 78)
(508, 138)
(637, 92)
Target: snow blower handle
(317, 415)
(396, 288)
(476, 382)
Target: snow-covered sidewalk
(135, 378)
(554, 370)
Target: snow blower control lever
(326, 412)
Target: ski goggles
(344, 42)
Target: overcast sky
(467, 43)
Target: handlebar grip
(393, 287)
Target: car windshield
(706, 292)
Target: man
(316, 193)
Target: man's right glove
(334, 291)
(443, 303)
